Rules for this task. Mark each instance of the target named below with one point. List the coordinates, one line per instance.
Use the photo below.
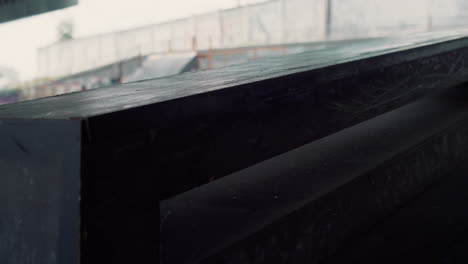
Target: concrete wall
(268, 23)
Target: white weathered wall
(273, 22)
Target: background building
(9, 91)
(270, 23)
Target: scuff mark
(20, 146)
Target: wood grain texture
(108, 100)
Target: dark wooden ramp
(85, 172)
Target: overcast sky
(19, 39)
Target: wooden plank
(252, 112)
(301, 206)
(337, 59)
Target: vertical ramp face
(67, 199)
(39, 191)
(304, 205)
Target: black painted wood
(40, 191)
(143, 142)
(372, 54)
(301, 206)
(433, 228)
(246, 112)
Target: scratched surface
(188, 124)
(301, 206)
(147, 141)
(39, 192)
(107, 100)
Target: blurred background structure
(8, 86)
